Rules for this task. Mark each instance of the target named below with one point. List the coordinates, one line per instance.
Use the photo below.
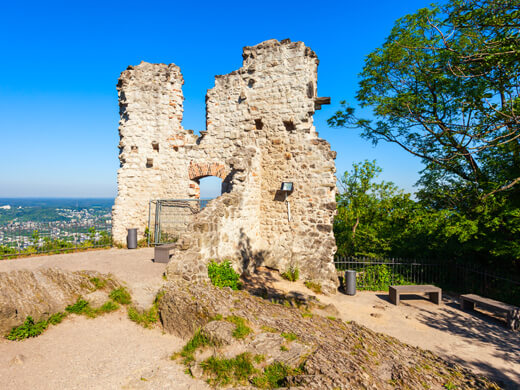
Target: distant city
(26, 222)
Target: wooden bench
(162, 253)
(512, 313)
(434, 293)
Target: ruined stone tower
(259, 133)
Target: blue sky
(60, 61)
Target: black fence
(378, 274)
(27, 238)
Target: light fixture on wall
(287, 188)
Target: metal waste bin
(131, 238)
(350, 282)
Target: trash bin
(131, 238)
(350, 282)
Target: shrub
(292, 274)
(378, 277)
(223, 275)
(28, 329)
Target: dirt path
(108, 352)
(474, 340)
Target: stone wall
(259, 133)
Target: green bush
(223, 275)
(28, 329)
(292, 274)
(378, 277)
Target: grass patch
(289, 336)
(80, 307)
(223, 372)
(107, 307)
(199, 340)
(121, 295)
(269, 329)
(274, 376)
(56, 318)
(259, 359)
(242, 330)
(292, 274)
(307, 314)
(99, 283)
(283, 348)
(223, 275)
(148, 317)
(315, 287)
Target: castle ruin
(259, 133)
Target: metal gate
(168, 218)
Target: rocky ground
(321, 353)
(288, 326)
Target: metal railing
(26, 238)
(168, 218)
(378, 274)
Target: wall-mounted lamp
(287, 188)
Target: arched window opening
(210, 187)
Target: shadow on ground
(478, 328)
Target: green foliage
(108, 307)
(28, 329)
(444, 86)
(223, 275)
(80, 307)
(148, 317)
(378, 277)
(223, 371)
(56, 318)
(274, 376)
(121, 295)
(292, 274)
(289, 336)
(99, 283)
(242, 330)
(315, 287)
(199, 340)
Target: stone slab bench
(161, 253)
(434, 293)
(512, 313)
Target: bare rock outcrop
(327, 353)
(43, 292)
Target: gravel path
(108, 352)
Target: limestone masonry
(259, 133)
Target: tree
(378, 219)
(445, 87)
